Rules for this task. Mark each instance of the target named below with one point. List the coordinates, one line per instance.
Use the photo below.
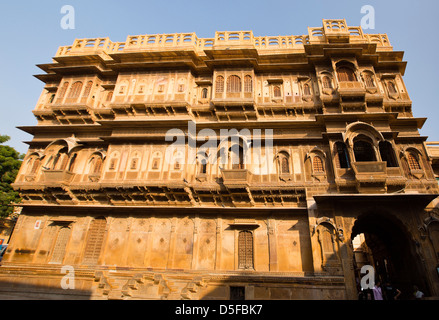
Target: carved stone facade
(292, 146)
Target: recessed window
(369, 81)
(388, 154)
(181, 88)
(326, 82)
(219, 84)
(204, 93)
(342, 158)
(75, 91)
(245, 250)
(277, 92)
(345, 74)
(317, 165)
(306, 90)
(391, 87)
(413, 162)
(364, 151)
(248, 84)
(233, 84)
(87, 89)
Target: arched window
(391, 87)
(109, 96)
(204, 93)
(75, 90)
(248, 84)
(345, 74)
(33, 165)
(72, 162)
(306, 90)
(61, 160)
(95, 164)
(317, 165)
(245, 250)
(62, 92)
(368, 79)
(387, 154)
(413, 162)
(95, 238)
(87, 89)
(236, 153)
(203, 166)
(277, 92)
(342, 158)
(219, 84)
(284, 163)
(233, 84)
(364, 151)
(326, 82)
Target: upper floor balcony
(331, 31)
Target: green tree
(10, 162)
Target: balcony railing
(57, 176)
(236, 177)
(332, 29)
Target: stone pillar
(219, 234)
(195, 244)
(272, 245)
(315, 246)
(347, 256)
(172, 241)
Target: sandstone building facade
(291, 147)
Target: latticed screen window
(345, 74)
(248, 85)
(75, 91)
(94, 241)
(245, 250)
(276, 91)
(413, 162)
(96, 165)
(284, 165)
(306, 90)
(326, 83)
(59, 250)
(318, 165)
(369, 81)
(63, 91)
(219, 84)
(87, 89)
(233, 84)
(391, 87)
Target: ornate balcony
(236, 178)
(57, 176)
(370, 176)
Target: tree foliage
(10, 162)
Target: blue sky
(30, 34)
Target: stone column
(272, 244)
(347, 256)
(172, 241)
(195, 244)
(218, 243)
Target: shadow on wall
(26, 288)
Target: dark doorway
(237, 293)
(393, 253)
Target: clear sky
(30, 34)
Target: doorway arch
(392, 252)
